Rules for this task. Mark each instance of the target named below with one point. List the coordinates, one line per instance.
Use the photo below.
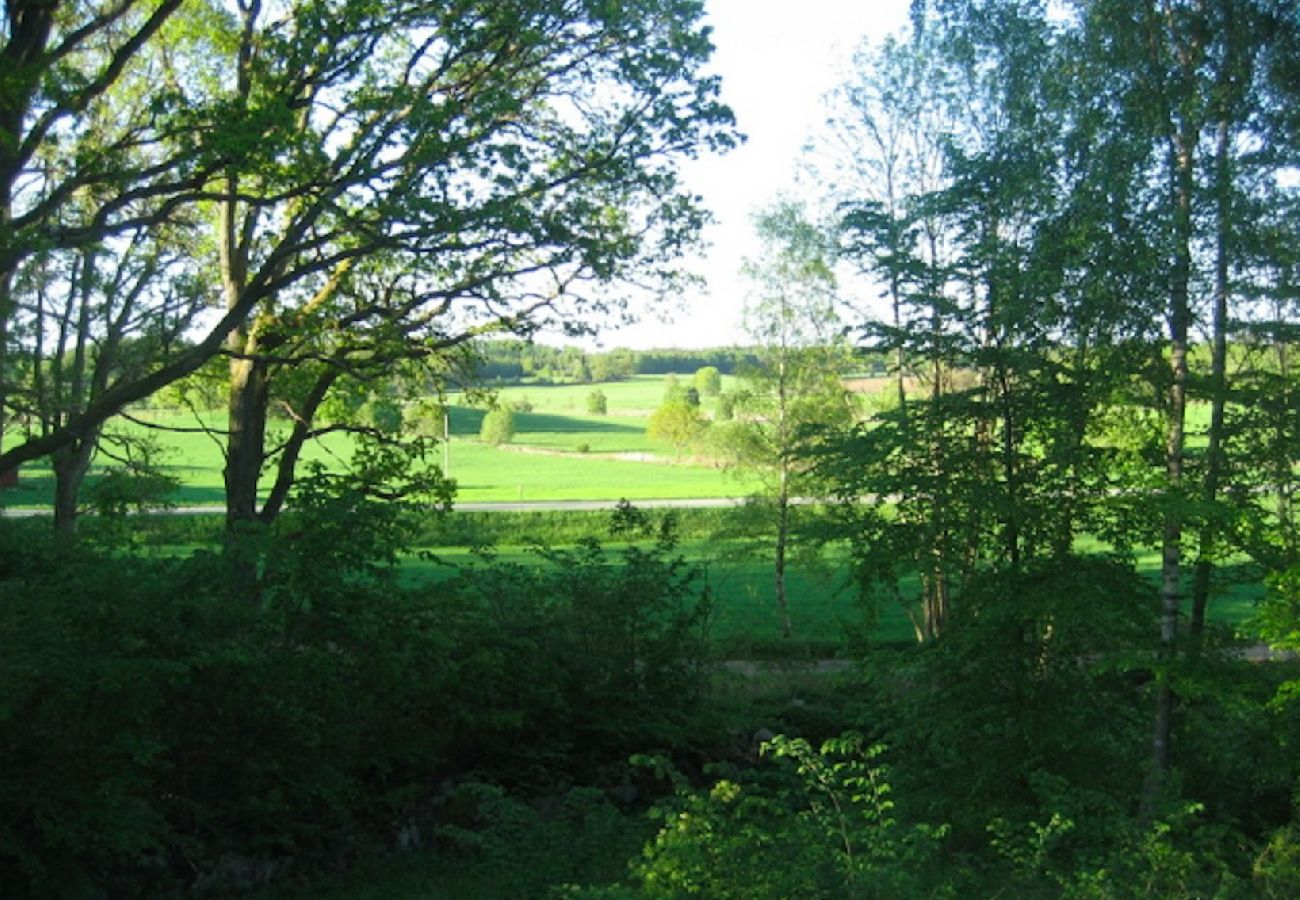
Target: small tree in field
(795, 385)
(708, 381)
(677, 422)
(597, 403)
(726, 408)
(498, 426)
(673, 389)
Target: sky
(777, 59)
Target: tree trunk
(783, 489)
(782, 537)
(936, 585)
(1182, 163)
(286, 468)
(70, 465)
(246, 443)
(1218, 381)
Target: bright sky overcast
(777, 59)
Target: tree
(795, 387)
(64, 185)
(414, 182)
(1103, 181)
(581, 197)
(498, 426)
(708, 381)
(726, 408)
(91, 318)
(677, 422)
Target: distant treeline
(508, 361)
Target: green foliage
(624, 640)
(1276, 872)
(124, 489)
(426, 418)
(1170, 858)
(708, 381)
(382, 414)
(498, 426)
(726, 408)
(1047, 723)
(597, 403)
(1278, 621)
(674, 391)
(160, 715)
(820, 825)
(677, 422)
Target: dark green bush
(285, 703)
(1029, 702)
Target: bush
(597, 404)
(382, 414)
(426, 417)
(120, 490)
(677, 422)
(708, 381)
(1050, 722)
(163, 717)
(498, 426)
(726, 409)
(815, 823)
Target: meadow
(560, 451)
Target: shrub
(382, 414)
(673, 390)
(121, 490)
(160, 715)
(498, 426)
(726, 409)
(814, 823)
(677, 422)
(597, 403)
(708, 381)
(426, 417)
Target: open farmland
(560, 452)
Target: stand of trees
(1058, 202)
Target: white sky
(777, 60)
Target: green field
(559, 452)
(826, 616)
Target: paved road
(495, 506)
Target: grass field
(560, 452)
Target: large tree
(88, 147)
(421, 172)
(522, 174)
